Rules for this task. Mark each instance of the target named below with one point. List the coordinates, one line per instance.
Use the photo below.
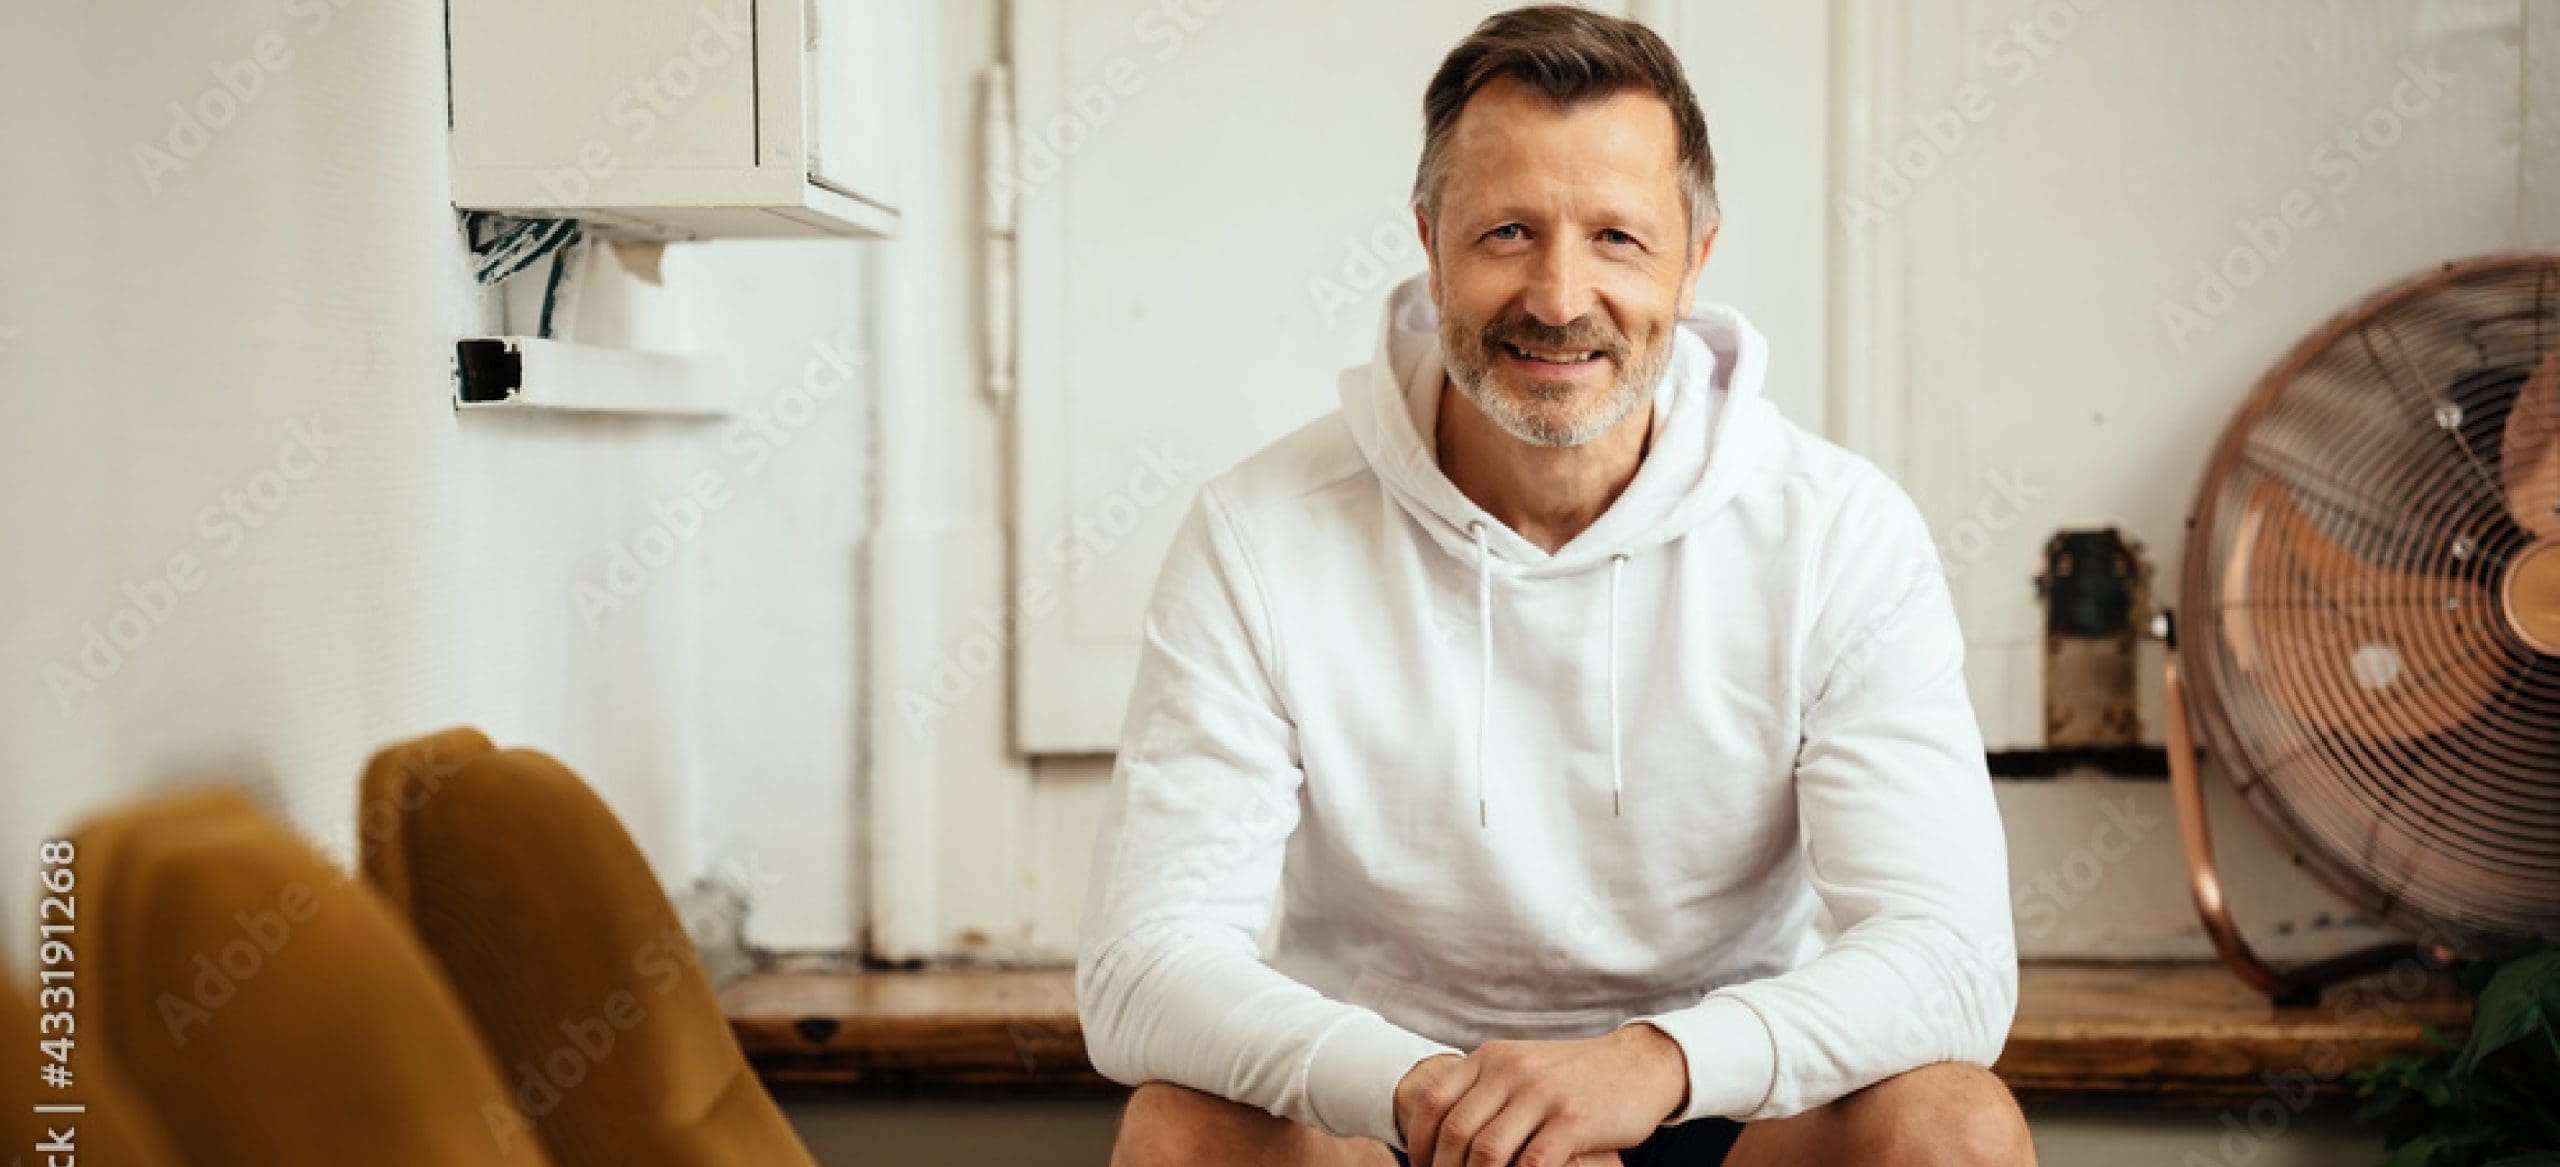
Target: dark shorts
(1701, 1142)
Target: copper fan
(2369, 629)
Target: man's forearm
(1189, 1008)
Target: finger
(1469, 1115)
(1422, 1129)
(1558, 1144)
(1500, 1142)
(1598, 1159)
(1422, 1124)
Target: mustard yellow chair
(551, 926)
(268, 1010)
(114, 1128)
(397, 781)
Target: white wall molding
(1866, 404)
(2538, 191)
(948, 796)
(906, 567)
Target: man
(1559, 682)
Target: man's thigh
(1947, 1114)
(1166, 1124)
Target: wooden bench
(2171, 1034)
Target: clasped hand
(1542, 1103)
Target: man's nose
(1559, 290)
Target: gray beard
(1537, 419)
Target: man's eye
(1506, 231)
(1613, 235)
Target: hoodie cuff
(1352, 1076)
(1733, 1058)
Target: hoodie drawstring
(1484, 657)
(1617, 767)
(1484, 674)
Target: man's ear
(1697, 264)
(1430, 258)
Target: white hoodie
(1519, 795)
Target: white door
(1213, 208)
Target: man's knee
(1164, 1125)
(1991, 1136)
(1947, 1115)
(1158, 1126)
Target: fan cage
(2350, 643)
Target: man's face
(1561, 259)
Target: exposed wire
(506, 245)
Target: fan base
(2301, 984)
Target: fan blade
(2529, 455)
(2350, 646)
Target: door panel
(1213, 205)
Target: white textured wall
(164, 331)
(2070, 182)
(2042, 177)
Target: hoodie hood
(1709, 424)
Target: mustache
(1525, 331)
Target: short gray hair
(1566, 55)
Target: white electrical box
(682, 119)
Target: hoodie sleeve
(1903, 844)
(1170, 984)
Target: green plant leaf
(2379, 1105)
(2492, 1101)
(2417, 1152)
(2523, 994)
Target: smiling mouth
(1550, 356)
